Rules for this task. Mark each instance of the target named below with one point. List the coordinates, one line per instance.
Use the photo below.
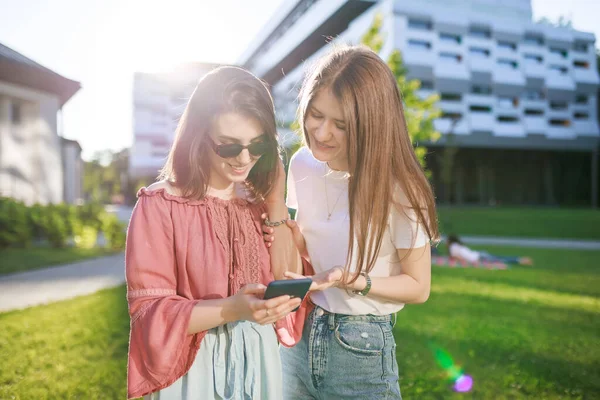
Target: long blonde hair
(380, 152)
(223, 90)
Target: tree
(105, 176)
(420, 112)
(561, 22)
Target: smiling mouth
(323, 145)
(239, 170)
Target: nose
(323, 131)
(244, 157)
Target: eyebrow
(341, 121)
(232, 139)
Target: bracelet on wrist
(367, 288)
(273, 224)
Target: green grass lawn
(521, 222)
(527, 332)
(19, 260)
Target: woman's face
(231, 129)
(326, 128)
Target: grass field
(521, 222)
(20, 260)
(527, 332)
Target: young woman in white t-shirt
(365, 219)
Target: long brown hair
(223, 90)
(380, 152)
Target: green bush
(14, 227)
(114, 231)
(57, 224)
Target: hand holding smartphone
(291, 287)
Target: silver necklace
(327, 200)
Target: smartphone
(291, 287)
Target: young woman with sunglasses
(365, 219)
(195, 263)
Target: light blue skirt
(239, 360)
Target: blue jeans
(342, 357)
(485, 256)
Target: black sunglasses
(257, 149)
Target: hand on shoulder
(166, 185)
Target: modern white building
(524, 94)
(31, 99)
(158, 101)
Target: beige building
(31, 150)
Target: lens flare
(462, 382)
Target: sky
(101, 43)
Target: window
(419, 24)
(451, 96)
(560, 122)
(558, 51)
(480, 32)
(581, 99)
(507, 45)
(480, 109)
(581, 115)
(533, 39)
(580, 47)
(507, 118)
(533, 58)
(427, 85)
(451, 115)
(508, 63)
(559, 68)
(481, 89)
(508, 102)
(533, 95)
(450, 38)
(450, 56)
(558, 105)
(419, 44)
(16, 114)
(533, 111)
(479, 52)
(581, 64)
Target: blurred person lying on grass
(459, 251)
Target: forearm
(283, 250)
(401, 288)
(208, 314)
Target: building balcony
(480, 99)
(481, 65)
(586, 80)
(560, 132)
(535, 124)
(587, 127)
(509, 129)
(481, 121)
(534, 70)
(444, 125)
(559, 82)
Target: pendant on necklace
(329, 217)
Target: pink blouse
(180, 252)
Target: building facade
(159, 100)
(31, 98)
(519, 99)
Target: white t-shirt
(315, 190)
(459, 251)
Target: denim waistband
(319, 312)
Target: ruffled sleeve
(159, 316)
